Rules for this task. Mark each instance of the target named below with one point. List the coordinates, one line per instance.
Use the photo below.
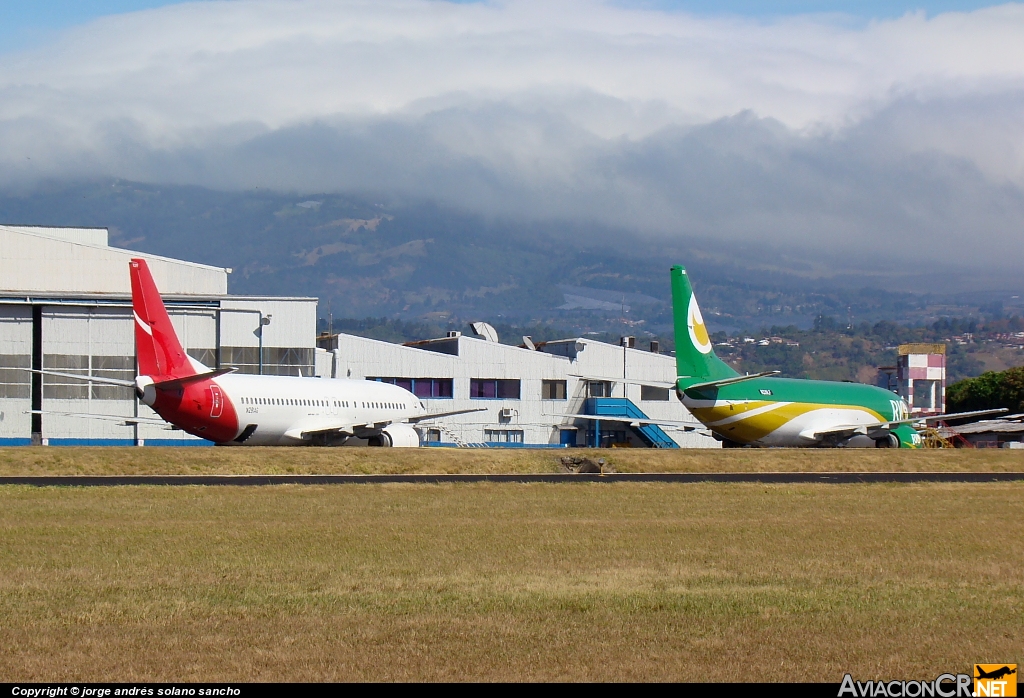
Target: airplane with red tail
(229, 408)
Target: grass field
(194, 461)
(510, 582)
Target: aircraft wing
(953, 415)
(127, 421)
(337, 428)
(435, 415)
(882, 428)
(634, 422)
(845, 431)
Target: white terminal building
(526, 396)
(65, 305)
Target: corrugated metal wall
(15, 382)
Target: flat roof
(26, 230)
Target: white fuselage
(282, 409)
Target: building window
(61, 387)
(649, 392)
(599, 389)
(432, 436)
(552, 390)
(493, 388)
(116, 367)
(422, 387)
(64, 388)
(207, 357)
(15, 381)
(277, 361)
(503, 436)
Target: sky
(25, 23)
(866, 130)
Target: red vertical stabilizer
(156, 343)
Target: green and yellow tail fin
(695, 358)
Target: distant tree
(990, 390)
(825, 323)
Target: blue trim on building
(179, 442)
(15, 442)
(502, 444)
(90, 442)
(111, 442)
(490, 444)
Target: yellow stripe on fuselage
(750, 421)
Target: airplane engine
(396, 435)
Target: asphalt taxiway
(559, 478)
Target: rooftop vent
(453, 334)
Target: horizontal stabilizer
(729, 381)
(634, 422)
(90, 379)
(612, 379)
(161, 383)
(174, 383)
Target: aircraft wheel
(726, 443)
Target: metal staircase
(650, 434)
(455, 439)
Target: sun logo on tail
(698, 332)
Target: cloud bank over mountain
(817, 130)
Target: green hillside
(414, 261)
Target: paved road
(256, 480)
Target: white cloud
(574, 108)
(281, 61)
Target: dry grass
(244, 461)
(509, 582)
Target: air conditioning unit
(506, 412)
(452, 334)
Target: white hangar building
(65, 305)
(525, 397)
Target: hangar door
(87, 342)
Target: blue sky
(24, 23)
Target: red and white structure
(921, 377)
